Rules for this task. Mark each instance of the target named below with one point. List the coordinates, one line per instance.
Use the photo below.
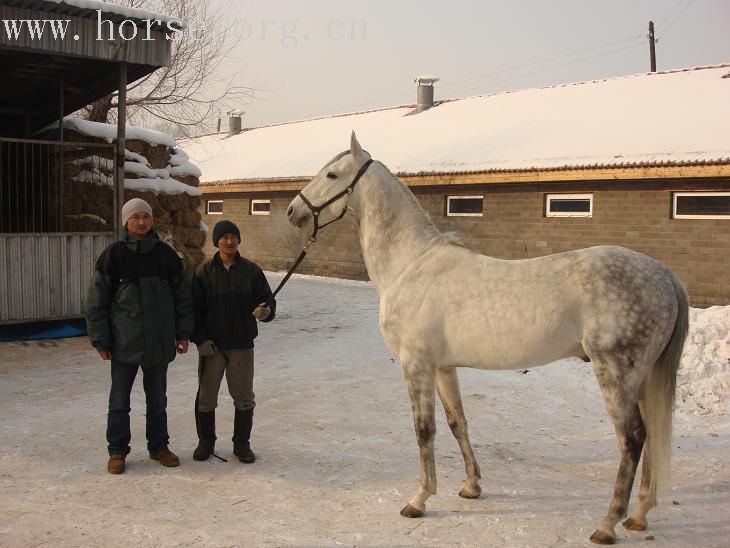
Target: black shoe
(244, 453)
(203, 451)
(205, 423)
(242, 424)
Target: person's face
(139, 225)
(228, 243)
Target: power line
(677, 18)
(542, 61)
(660, 23)
(550, 68)
(477, 77)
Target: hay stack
(159, 174)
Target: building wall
(514, 226)
(274, 244)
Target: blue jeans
(118, 433)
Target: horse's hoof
(470, 493)
(635, 525)
(599, 537)
(411, 512)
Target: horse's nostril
(289, 211)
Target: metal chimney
(424, 89)
(234, 121)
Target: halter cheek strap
(346, 192)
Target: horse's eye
(331, 175)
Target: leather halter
(315, 216)
(346, 192)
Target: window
(214, 207)
(569, 205)
(260, 207)
(701, 205)
(464, 206)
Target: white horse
(443, 306)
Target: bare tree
(198, 79)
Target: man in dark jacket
(139, 312)
(230, 293)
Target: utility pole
(652, 41)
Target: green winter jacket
(139, 302)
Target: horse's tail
(659, 397)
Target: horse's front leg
(420, 383)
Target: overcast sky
(308, 58)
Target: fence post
(119, 157)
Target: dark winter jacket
(139, 302)
(224, 302)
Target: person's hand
(105, 355)
(206, 349)
(181, 346)
(262, 312)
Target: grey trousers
(238, 368)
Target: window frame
(207, 207)
(258, 201)
(675, 195)
(572, 196)
(450, 197)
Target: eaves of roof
(616, 172)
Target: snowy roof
(678, 117)
(108, 132)
(159, 181)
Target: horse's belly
(511, 352)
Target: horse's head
(326, 197)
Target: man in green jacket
(230, 294)
(139, 313)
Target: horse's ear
(355, 148)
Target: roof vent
(424, 92)
(234, 121)
(424, 87)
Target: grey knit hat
(133, 206)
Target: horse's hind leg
(420, 383)
(623, 408)
(637, 520)
(447, 385)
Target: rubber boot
(205, 423)
(242, 424)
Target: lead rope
(291, 270)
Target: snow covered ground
(337, 456)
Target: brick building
(641, 161)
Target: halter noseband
(346, 192)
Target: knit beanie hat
(224, 227)
(134, 206)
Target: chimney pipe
(424, 91)
(234, 121)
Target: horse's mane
(446, 238)
(337, 157)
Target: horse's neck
(394, 230)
